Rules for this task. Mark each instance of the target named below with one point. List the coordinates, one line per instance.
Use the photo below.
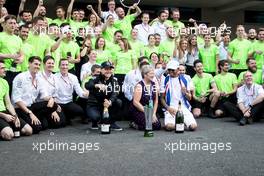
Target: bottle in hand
(179, 120)
(105, 126)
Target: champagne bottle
(179, 120)
(105, 126)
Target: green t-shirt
(200, 41)
(49, 20)
(75, 25)
(103, 56)
(71, 47)
(147, 50)
(257, 77)
(9, 44)
(202, 84)
(27, 49)
(108, 34)
(208, 57)
(112, 47)
(167, 46)
(125, 24)
(225, 83)
(40, 44)
(258, 46)
(177, 26)
(137, 46)
(239, 50)
(124, 62)
(59, 21)
(4, 90)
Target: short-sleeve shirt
(202, 84)
(208, 57)
(225, 83)
(9, 44)
(125, 24)
(258, 46)
(71, 47)
(239, 50)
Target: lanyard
(67, 82)
(46, 78)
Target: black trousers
(95, 113)
(71, 110)
(190, 71)
(235, 112)
(43, 113)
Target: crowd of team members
(57, 69)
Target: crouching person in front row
(175, 88)
(9, 121)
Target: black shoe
(211, 113)
(115, 127)
(94, 126)
(249, 120)
(243, 121)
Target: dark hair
(64, 24)
(221, 63)
(154, 53)
(36, 19)
(109, 16)
(75, 10)
(144, 13)
(160, 12)
(23, 11)
(33, 58)
(60, 7)
(156, 34)
(260, 30)
(46, 58)
(1, 61)
(151, 35)
(118, 31)
(63, 59)
(249, 59)
(140, 59)
(197, 62)
(175, 10)
(8, 17)
(94, 67)
(53, 24)
(23, 26)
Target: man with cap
(175, 88)
(104, 90)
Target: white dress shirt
(160, 28)
(143, 32)
(86, 69)
(65, 85)
(24, 90)
(47, 85)
(247, 95)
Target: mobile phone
(69, 54)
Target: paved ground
(239, 152)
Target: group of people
(52, 70)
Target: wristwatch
(29, 112)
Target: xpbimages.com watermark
(211, 147)
(54, 146)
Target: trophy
(125, 3)
(148, 110)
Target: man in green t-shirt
(41, 11)
(60, 12)
(9, 121)
(257, 49)
(136, 45)
(69, 49)
(26, 48)
(205, 91)
(209, 55)
(227, 85)
(176, 23)
(256, 73)
(124, 21)
(238, 50)
(10, 47)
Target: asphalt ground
(218, 147)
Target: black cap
(107, 64)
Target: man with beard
(256, 73)
(257, 51)
(24, 16)
(41, 11)
(60, 12)
(168, 45)
(160, 27)
(252, 35)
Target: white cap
(173, 65)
